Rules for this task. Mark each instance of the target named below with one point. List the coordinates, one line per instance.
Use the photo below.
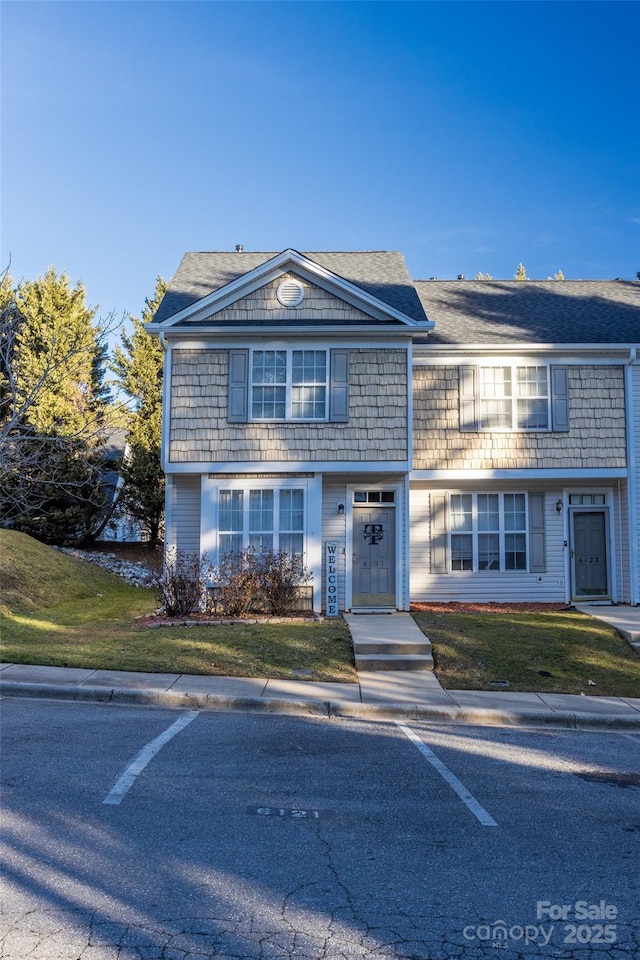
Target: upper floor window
(289, 384)
(514, 398)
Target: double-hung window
(289, 384)
(488, 531)
(269, 519)
(514, 397)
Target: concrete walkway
(623, 618)
(392, 694)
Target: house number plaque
(373, 533)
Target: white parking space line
(467, 798)
(124, 783)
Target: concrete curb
(480, 716)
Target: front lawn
(61, 611)
(542, 651)
(66, 637)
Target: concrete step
(383, 661)
(394, 647)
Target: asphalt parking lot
(137, 832)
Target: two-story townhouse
(523, 480)
(425, 440)
(287, 413)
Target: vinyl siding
(634, 400)
(486, 586)
(334, 527)
(623, 567)
(185, 513)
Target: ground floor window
(271, 519)
(488, 531)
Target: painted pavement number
(292, 813)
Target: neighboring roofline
(270, 269)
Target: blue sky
(470, 136)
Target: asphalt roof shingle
(464, 311)
(531, 311)
(380, 273)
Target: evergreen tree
(138, 365)
(59, 358)
(521, 273)
(53, 409)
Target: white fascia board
(286, 338)
(334, 331)
(427, 354)
(555, 473)
(299, 466)
(357, 297)
(313, 272)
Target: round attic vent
(290, 293)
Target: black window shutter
(238, 386)
(339, 386)
(439, 557)
(537, 534)
(468, 377)
(559, 397)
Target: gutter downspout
(633, 460)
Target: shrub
(265, 582)
(181, 586)
(281, 576)
(236, 583)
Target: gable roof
(380, 274)
(531, 311)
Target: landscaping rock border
(135, 574)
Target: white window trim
(474, 532)
(288, 384)
(312, 537)
(514, 365)
(246, 487)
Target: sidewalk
(380, 695)
(377, 696)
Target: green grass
(473, 648)
(60, 611)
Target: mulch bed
(456, 607)
(154, 620)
